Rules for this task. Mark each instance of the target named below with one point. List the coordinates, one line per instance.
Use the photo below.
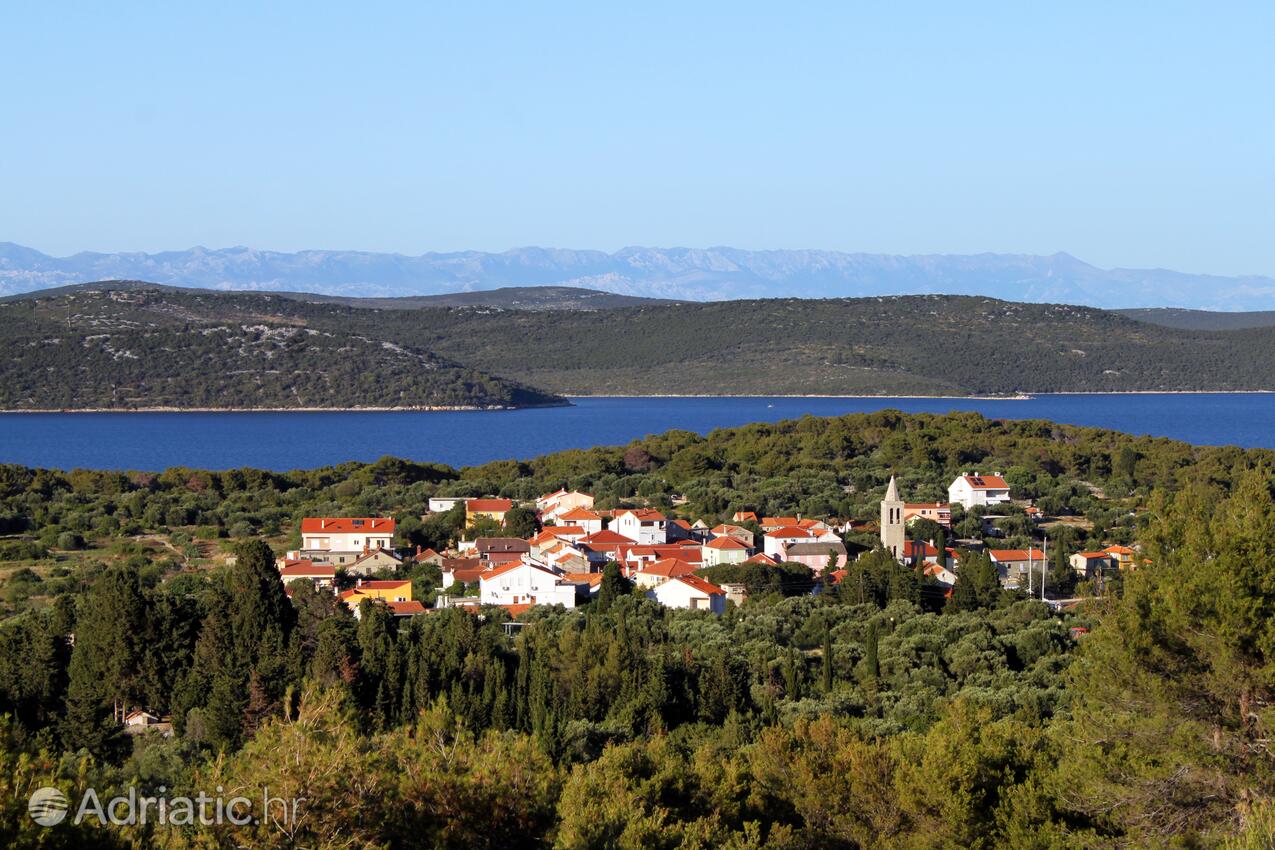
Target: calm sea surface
(280, 441)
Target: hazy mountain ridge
(667, 273)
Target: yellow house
(495, 509)
(1121, 556)
(386, 591)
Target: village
(567, 558)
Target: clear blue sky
(1126, 133)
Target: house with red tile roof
(691, 592)
(1122, 557)
(816, 555)
(493, 509)
(551, 505)
(649, 575)
(643, 525)
(724, 550)
(776, 540)
(321, 575)
(373, 561)
(1014, 564)
(387, 592)
(590, 521)
(523, 583)
(461, 571)
(1089, 564)
(342, 540)
(740, 533)
(605, 545)
(977, 489)
(940, 512)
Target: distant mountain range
(663, 273)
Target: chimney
(323, 523)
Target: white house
(976, 489)
(581, 517)
(551, 505)
(443, 504)
(343, 540)
(644, 525)
(775, 542)
(519, 583)
(689, 592)
(723, 550)
(651, 575)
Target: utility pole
(1030, 540)
(1044, 561)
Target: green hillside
(915, 344)
(130, 351)
(161, 347)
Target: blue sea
(282, 441)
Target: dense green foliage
(242, 349)
(866, 715)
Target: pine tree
(613, 586)
(105, 672)
(871, 660)
(827, 658)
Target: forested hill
(1201, 320)
(167, 347)
(912, 344)
(126, 350)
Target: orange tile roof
(580, 515)
(1119, 550)
(488, 505)
(501, 569)
(762, 558)
(1016, 555)
(986, 482)
(789, 531)
(382, 585)
(517, 609)
(346, 525)
(668, 568)
(725, 543)
(607, 537)
(647, 514)
(700, 584)
(406, 609)
(306, 569)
